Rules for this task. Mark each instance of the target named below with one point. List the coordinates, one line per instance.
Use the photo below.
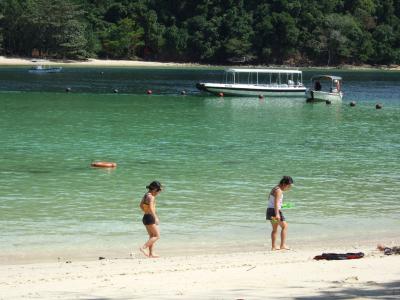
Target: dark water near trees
(362, 86)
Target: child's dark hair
(154, 186)
(286, 180)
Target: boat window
(274, 78)
(323, 84)
(230, 77)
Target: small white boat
(325, 88)
(44, 69)
(258, 82)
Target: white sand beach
(7, 61)
(10, 61)
(290, 274)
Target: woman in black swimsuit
(150, 218)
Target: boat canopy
(325, 77)
(277, 71)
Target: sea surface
(217, 157)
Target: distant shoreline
(11, 61)
(8, 61)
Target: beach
(71, 231)
(266, 274)
(8, 61)
(92, 62)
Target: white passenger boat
(44, 69)
(258, 82)
(325, 88)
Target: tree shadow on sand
(390, 290)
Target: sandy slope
(5, 61)
(247, 275)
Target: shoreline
(170, 249)
(241, 275)
(10, 61)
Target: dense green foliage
(301, 32)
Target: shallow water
(218, 158)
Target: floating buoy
(103, 164)
(149, 92)
(183, 92)
(221, 94)
(328, 102)
(260, 97)
(378, 106)
(353, 103)
(116, 91)
(68, 89)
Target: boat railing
(273, 78)
(270, 85)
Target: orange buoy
(103, 164)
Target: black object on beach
(390, 251)
(339, 256)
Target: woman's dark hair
(154, 186)
(286, 180)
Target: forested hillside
(294, 32)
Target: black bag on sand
(339, 256)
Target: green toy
(288, 205)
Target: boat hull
(320, 96)
(252, 90)
(46, 70)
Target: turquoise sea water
(218, 158)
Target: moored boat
(325, 88)
(258, 82)
(44, 69)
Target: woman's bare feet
(284, 247)
(154, 256)
(141, 249)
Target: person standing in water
(150, 218)
(274, 213)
